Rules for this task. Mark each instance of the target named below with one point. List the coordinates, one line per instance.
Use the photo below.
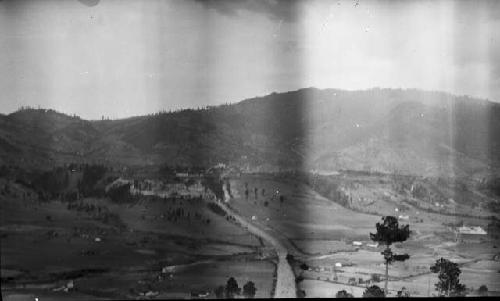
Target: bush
(249, 290)
(373, 292)
(343, 294)
(483, 290)
(232, 288)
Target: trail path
(285, 284)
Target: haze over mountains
(385, 130)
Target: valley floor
(274, 230)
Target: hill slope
(409, 131)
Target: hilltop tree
(343, 294)
(389, 232)
(232, 288)
(449, 282)
(249, 290)
(373, 292)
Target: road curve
(285, 279)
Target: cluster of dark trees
(55, 183)
(92, 174)
(231, 290)
(50, 184)
(215, 184)
(216, 209)
(121, 194)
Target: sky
(120, 58)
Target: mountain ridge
(386, 130)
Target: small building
(168, 269)
(404, 217)
(474, 230)
(357, 243)
(467, 234)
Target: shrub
(373, 292)
(483, 290)
(343, 294)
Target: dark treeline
(92, 174)
(67, 183)
(215, 184)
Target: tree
(449, 282)
(389, 232)
(249, 290)
(219, 292)
(373, 292)
(343, 294)
(232, 288)
(483, 290)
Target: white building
(476, 230)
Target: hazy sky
(120, 58)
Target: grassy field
(322, 232)
(120, 252)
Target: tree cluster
(231, 290)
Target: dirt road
(285, 284)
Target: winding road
(285, 279)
